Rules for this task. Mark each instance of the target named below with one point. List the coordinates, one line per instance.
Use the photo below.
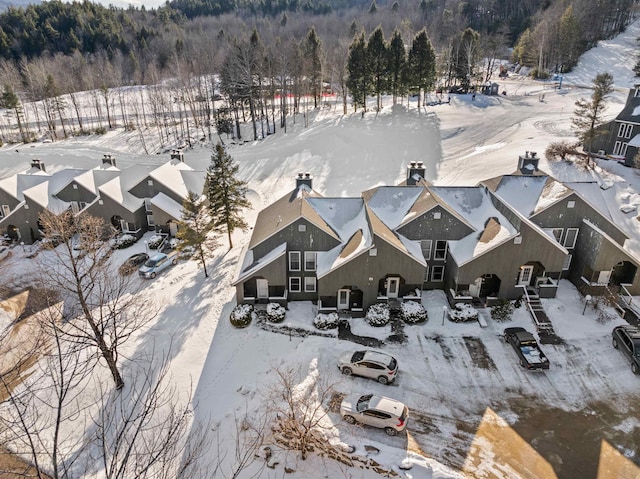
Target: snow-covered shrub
(241, 315)
(502, 311)
(124, 241)
(275, 313)
(326, 321)
(378, 314)
(462, 313)
(413, 312)
(155, 241)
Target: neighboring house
(524, 230)
(620, 139)
(134, 200)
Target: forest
(266, 58)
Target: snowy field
(474, 411)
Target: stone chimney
(108, 160)
(528, 164)
(177, 155)
(304, 179)
(38, 164)
(415, 172)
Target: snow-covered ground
(469, 399)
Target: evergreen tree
(196, 229)
(377, 60)
(226, 193)
(588, 115)
(358, 79)
(312, 51)
(374, 7)
(421, 64)
(397, 66)
(570, 41)
(10, 101)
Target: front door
(173, 228)
(263, 288)
(343, 299)
(525, 275)
(393, 285)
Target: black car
(132, 263)
(627, 340)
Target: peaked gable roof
(43, 193)
(96, 177)
(392, 203)
(118, 188)
(631, 111)
(15, 185)
(285, 211)
(522, 193)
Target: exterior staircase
(538, 314)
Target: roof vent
(304, 179)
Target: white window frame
(620, 148)
(147, 205)
(75, 208)
(427, 256)
(437, 274)
(621, 129)
(571, 204)
(441, 250)
(628, 131)
(6, 211)
(426, 273)
(293, 254)
(310, 257)
(150, 220)
(302, 228)
(571, 231)
(310, 284)
(567, 262)
(82, 204)
(558, 233)
(299, 287)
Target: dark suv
(627, 339)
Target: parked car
(526, 346)
(627, 340)
(377, 411)
(369, 364)
(157, 263)
(123, 240)
(132, 263)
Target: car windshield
(357, 356)
(392, 364)
(405, 411)
(150, 263)
(363, 403)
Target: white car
(377, 411)
(369, 364)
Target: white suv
(369, 364)
(376, 411)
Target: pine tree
(570, 44)
(312, 50)
(358, 80)
(587, 120)
(196, 229)
(397, 66)
(225, 192)
(421, 64)
(377, 60)
(10, 101)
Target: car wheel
(347, 371)
(350, 419)
(383, 380)
(635, 368)
(615, 343)
(390, 431)
(174, 261)
(153, 275)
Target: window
(604, 277)
(150, 182)
(150, 220)
(426, 274)
(74, 207)
(310, 260)
(5, 210)
(75, 187)
(571, 204)
(373, 252)
(624, 130)
(557, 234)
(426, 248)
(621, 129)
(309, 284)
(567, 262)
(294, 260)
(570, 238)
(302, 228)
(147, 205)
(437, 274)
(83, 205)
(441, 250)
(437, 215)
(294, 285)
(620, 148)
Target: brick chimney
(39, 164)
(177, 155)
(528, 164)
(415, 172)
(108, 160)
(304, 179)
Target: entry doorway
(262, 286)
(526, 272)
(393, 286)
(343, 299)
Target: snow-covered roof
(635, 141)
(44, 193)
(249, 267)
(96, 177)
(168, 205)
(357, 244)
(521, 192)
(553, 192)
(118, 188)
(611, 242)
(591, 193)
(380, 230)
(179, 177)
(15, 185)
(392, 203)
(343, 215)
